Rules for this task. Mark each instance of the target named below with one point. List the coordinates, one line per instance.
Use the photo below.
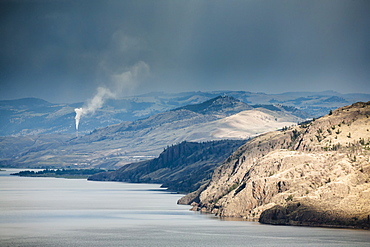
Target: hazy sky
(62, 51)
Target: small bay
(77, 212)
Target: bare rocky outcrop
(317, 174)
(183, 168)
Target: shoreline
(223, 218)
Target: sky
(64, 51)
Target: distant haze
(62, 51)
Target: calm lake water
(68, 212)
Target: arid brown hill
(182, 168)
(315, 174)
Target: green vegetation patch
(60, 173)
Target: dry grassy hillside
(313, 174)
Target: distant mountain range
(222, 117)
(31, 116)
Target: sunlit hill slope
(314, 174)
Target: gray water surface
(73, 212)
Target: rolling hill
(314, 174)
(32, 116)
(181, 168)
(222, 117)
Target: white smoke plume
(129, 80)
(95, 103)
(125, 81)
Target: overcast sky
(62, 51)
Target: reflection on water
(62, 212)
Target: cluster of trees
(59, 173)
(182, 168)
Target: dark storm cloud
(64, 50)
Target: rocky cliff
(316, 174)
(182, 168)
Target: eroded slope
(313, 174)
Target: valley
(265, 163)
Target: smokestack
(78, 116)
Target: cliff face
(182, 168)
(317, 173)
